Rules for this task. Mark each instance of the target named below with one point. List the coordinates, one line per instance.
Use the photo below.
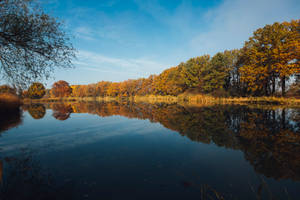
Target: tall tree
(32, 43)
(272, 52)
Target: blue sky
(118, 40)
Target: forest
(267, 65)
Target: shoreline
(182, 99)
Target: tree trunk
(283, 86)
(273, 86)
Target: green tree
(193, 69)
(215, 76)
(36, 91)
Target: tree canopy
(61, 89)
(36, 91)
(272, 53)
(32, 43)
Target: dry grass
(9, 102)
(69, 99)
(156, 99)
(249, 100)
(192, 99)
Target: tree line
(267, 62)
(264, 66)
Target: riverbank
(9, 102)
(189, 99)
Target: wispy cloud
(233, 22)
(138, 67)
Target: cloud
(137, 67)
(85, 33)
(234, 21)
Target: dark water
(149, 151)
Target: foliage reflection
(269, 137)
(10, 119)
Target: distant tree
(36, 91)
(32, 43)
(78, 90)
(113, 90)
(7, 89)
(61, 89)
(102, 87)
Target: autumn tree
(169, 82)
(102, 87)
(61, 89)
(78, 90)
(36, 91)
(271, 53)
(7, 89)
(113, 90)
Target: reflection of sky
(51, 134)
(119, 40)
(119, 154)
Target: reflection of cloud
(234, 21)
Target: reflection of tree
(10, 119)
(269, 138)
(1, 172)
(61, 111)
(37, 111)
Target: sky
(118, 40)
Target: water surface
(114, 150)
